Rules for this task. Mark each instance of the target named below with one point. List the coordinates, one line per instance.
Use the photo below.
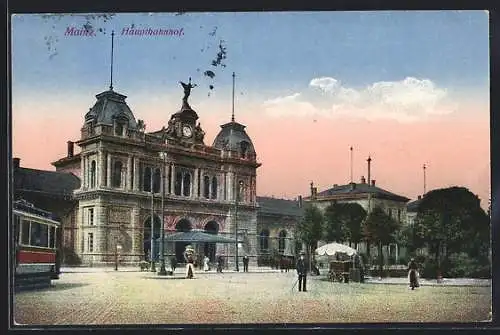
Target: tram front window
(52, 237)
(25, 232)
(39, 235)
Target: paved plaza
(106, 297)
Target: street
(132, 297)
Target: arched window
(117, 174)
(244, 149)
(206, 187)
(264, 240)
(282, 241)
(119, 129)
(187, 184)
(178, 183)
(147, 179)
(92, 173)
(214, 188)
(157, 181)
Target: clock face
(186, 131)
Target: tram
(36, 240)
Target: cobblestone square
(133, 297)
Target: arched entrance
(147, 236)
(211, 227)
(182, 226)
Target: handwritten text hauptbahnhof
(128, 31)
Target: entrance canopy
(197, 236)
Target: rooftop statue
(187, 90)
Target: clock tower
(182, 126)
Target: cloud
(408, 100)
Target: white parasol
(332, 249)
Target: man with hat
(189, 257)
(302, 271)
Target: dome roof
(110, 106)
(186, 113)
(234, 136)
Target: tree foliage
(310, 228)
(343, 222)
(381, 229)
(453, 218)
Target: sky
(406, 88)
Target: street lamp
(240, 185)
(163, 271)
(118, 247)
(151, 253)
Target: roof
(111, 105)
(231, 136)
(48, 182)
(413, 206)
(268, 205)
(358, 189)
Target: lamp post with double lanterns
(163, 271)
(151, 253)
(237, 198)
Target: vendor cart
(339, 271)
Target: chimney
(16, 162)
(369, 162)
(300, 201)
(419, 197)
(363, 180)
(353, 186)
(70, 149)
(373, 182)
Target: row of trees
(450, 223)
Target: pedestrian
(205, 263)
(189, 257)
(245, 263)
(413, 274)
(302, 272)
(173, 263)
(220, 262)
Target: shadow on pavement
(52, 287)
(166, 277)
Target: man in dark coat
(245, 263)
(302, 272)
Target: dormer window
(244, 149)
(119, 129)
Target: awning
(197, 236)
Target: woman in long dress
(205, 263)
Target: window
(157, 181)
(91, 216)
(282, 241)
(264, 240)
(39, 235)
(399, 215)
(17, 229)
(178, 183)
(214, 187)
(92, 173)
(147, 180)
(117, 174)
(53, 237)
(206, 187)
(119, 129)
(187, 184)
(25, 232)
(244, 148)
(90, 245)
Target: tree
(343, 221)
(310, 228)
(451, 221)
(380, 228)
